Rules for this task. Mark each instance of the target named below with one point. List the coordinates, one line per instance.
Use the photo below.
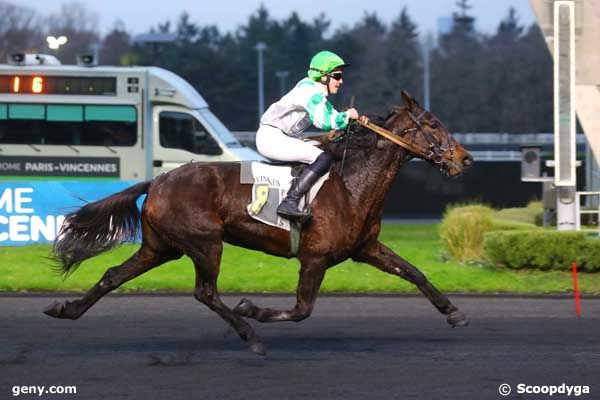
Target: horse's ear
(408, 100)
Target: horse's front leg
(381, 257)
(312, 272)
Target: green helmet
(323, 63)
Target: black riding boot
(289, 206)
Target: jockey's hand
(352, 113)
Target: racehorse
(193, 209)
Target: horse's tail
(97, 227)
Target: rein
(347, 132)
(433, 153)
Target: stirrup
(290, 212)
(298, 219)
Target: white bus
(129, 123)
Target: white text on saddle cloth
(271, 184)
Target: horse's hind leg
(207, 261)
(381, 257)
(152, 254)
(312, 272)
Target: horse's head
(431, 140)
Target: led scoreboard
(45, 84)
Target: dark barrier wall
(421, 191)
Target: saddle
(270, 183)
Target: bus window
(183, 131)
(111, 125)
(62, 124)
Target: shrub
(462, 231)
(589, 259)
(542, 249)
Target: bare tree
(19, 30)
(115, 45)
(79, 25)
(75, 17)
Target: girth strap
(294, 238)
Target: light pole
(426, 78)
(261, 47)
(282, 75)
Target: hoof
(244, 308)
(61, 310)
(55, 310)
(457, 318)
(258, 348)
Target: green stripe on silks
(311, 107)
(340, 120)
(320, 110)
(328, 113)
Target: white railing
(579, 211)
(468, 139)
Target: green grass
(28, 269)
(520, 214)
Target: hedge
(463, 228)
(542, 249)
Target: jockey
(278, 136)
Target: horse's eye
(433, 125)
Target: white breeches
(276, 145)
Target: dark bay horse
(193, 209)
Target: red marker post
(576, 289)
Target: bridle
(436, 149)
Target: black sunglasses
(336, 75)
